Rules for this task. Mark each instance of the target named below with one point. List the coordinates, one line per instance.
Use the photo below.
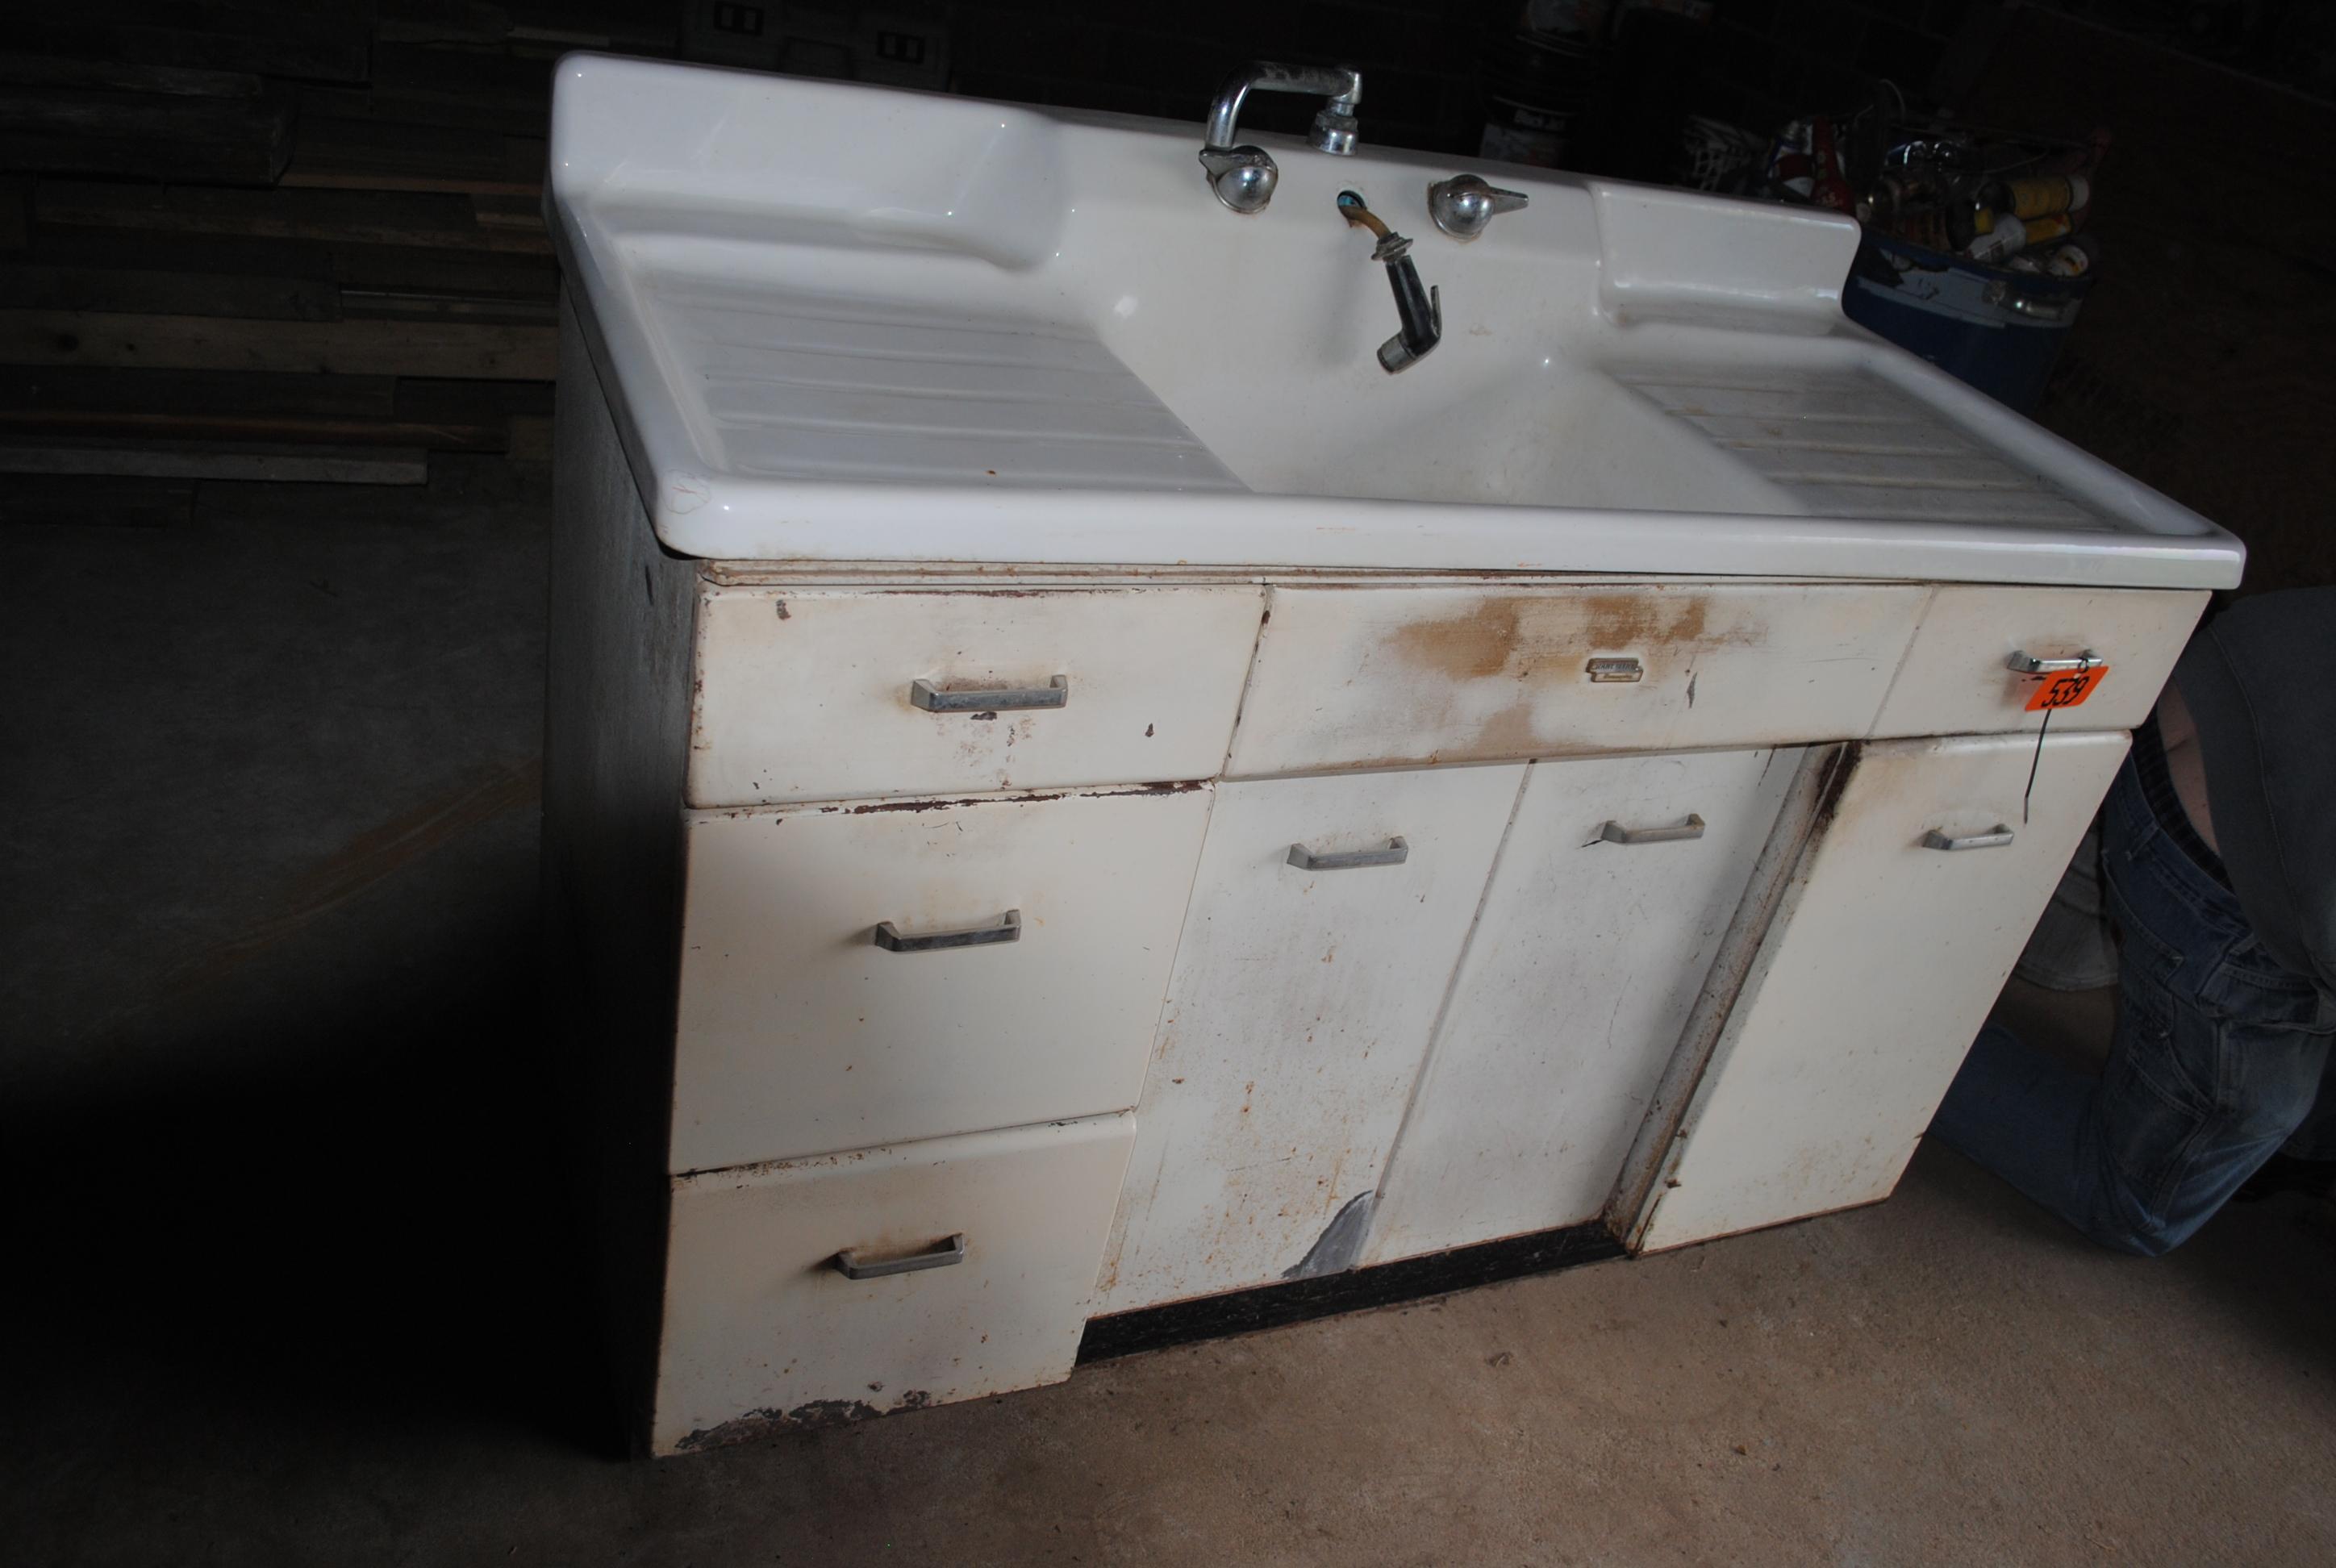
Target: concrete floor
(289, 1282)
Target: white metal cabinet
(1374, 676)
(812, 694)
(1295, 1023)
(1958, 680)
(1617, 879)
(799, 1034)
(1883, 958)
(764, 1332)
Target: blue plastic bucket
(1998, 329)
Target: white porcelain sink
(842, 323)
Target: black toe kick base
(1296, 1301)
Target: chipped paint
(1335, 1251)
(811, 1415)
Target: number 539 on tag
(2067, 690)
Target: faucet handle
(1242, 177)
(1462, 205)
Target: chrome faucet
(1244, 176)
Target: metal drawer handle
(1995, 837)
(940, 1255)
(1056, 693)
(1397, 852)
(2022, 664)
(1616, 833)
(1006, 929)
(1603, 670)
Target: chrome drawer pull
(1056, 693)
(1609, 669)
(940, 1255)
(1306, 860)
(1994, 838)
(1616, 833)
(1007, 930)
(2023, 664)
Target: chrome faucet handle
(1244, 176)
(1463, 205)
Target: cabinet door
(1618, 877)
(1298, 1015)
(1905, 917)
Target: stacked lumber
(246, 243)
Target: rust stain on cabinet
(1520, 635)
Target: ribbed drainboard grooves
(824, 389)
(1842, 443)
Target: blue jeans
(2216, 1059)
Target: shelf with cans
(1977, 254)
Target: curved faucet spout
(1342, 85)
(1243, 177)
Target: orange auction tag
(2067, 690)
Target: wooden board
(345, 348)
(181, 460)
(363, 154)
(108, 248)
(103, 390)
(15, 211)
(341, 216)
(96, 502)
(425, 399)
(33, 285)
(318, 43)
(153, 122)
(423, 270)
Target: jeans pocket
(2158, 1093)
(2248, 990)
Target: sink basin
(843, 323)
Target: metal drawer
(975, 1257)
(850, 975)
(831, 694)
(1958, 678)
(1360, 677)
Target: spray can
(2051, 226)
(2007, 235)
(2042, 195)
